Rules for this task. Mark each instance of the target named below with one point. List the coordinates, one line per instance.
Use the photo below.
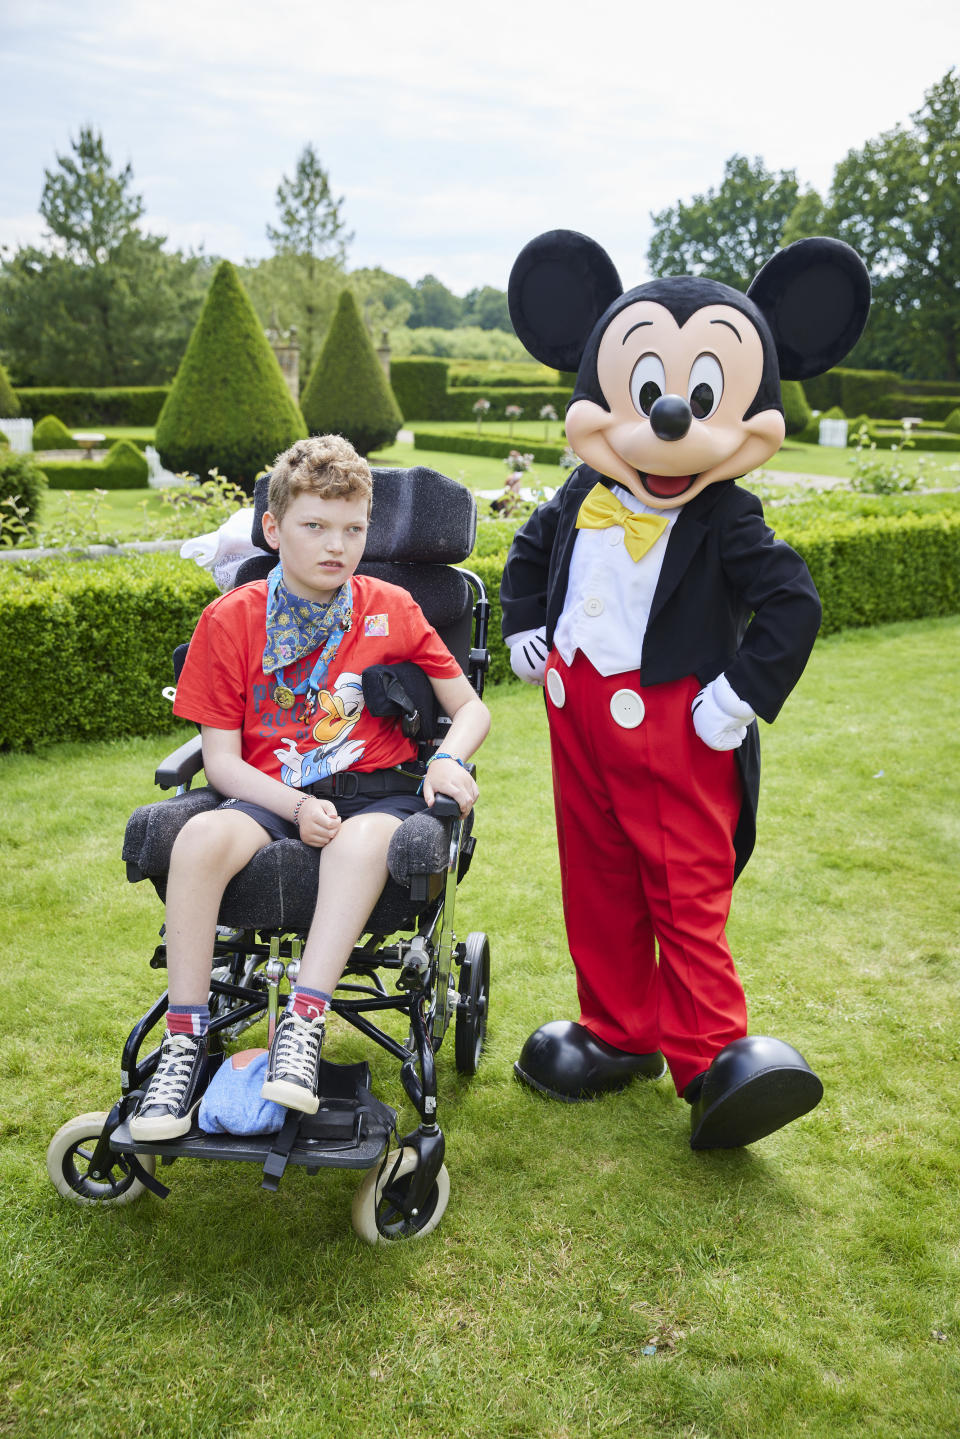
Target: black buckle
(347, 785)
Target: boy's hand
(445, 776)
(318, 822)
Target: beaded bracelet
(442, 754)
(298, 807)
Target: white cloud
(454, 135)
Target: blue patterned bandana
(296, 627)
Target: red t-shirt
(223, 684)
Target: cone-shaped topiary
(51, 433)
(9, 404)
(348, 393)
(229, 407)
(952, 422)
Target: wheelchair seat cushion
(278, 888)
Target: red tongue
(666, 486)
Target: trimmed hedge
(855, 391)
(872, 571)
(420, 387)
(893, 439)
(493, 447)
(9, 404)
(924, 407)
(101, 633)
(123, 468)
(952, 422)
(51, 433)
(100, 636)
(460, 402)
(136, 405)
(21, 476)
(498, 375)
(928, 387)
(796, 411)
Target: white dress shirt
(609, 595)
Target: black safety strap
(276, 1160)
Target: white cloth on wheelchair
(232, 1103)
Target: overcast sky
(455, 132)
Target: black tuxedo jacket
(722, 565)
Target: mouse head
(678, 380)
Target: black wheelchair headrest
(419, 516)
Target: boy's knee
(210, 835)
(365, 836)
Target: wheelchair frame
(93, 1159)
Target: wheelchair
(422, 525)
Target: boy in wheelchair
(273, 677)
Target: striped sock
(309, 1003)
(188, 1018)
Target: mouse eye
(647, 383)
(706, 386)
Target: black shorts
(400, 805)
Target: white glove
(529, 654)
(720, 716)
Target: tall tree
(728, 233)
(434, 304)
(897, 201)
(487, 308)
(310, 241)
(99, 303)
(87, 207)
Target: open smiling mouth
(666, 487)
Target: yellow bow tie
(601, 509)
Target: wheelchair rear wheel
(471, 1026)
(68, 1165)
(381, 1193)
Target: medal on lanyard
(285, 696)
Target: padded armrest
(444, 807)
(180, 766)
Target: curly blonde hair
(324, 465)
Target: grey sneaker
(174, 1092)
(293, 1067)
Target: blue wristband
(442, 754)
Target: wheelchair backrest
(421, 524)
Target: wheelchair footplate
(350, 1130)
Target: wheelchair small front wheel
(381, 1195)
(68, 1165)
(471, 1026)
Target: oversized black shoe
(174, 1092)
(293, 1066)
(753, 1087)
(565, 1061)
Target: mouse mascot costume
(663, 617)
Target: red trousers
(646, 815)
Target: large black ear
(815, 296)
(559, 286)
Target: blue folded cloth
(232, 1103)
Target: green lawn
(806, 1286)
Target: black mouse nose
(670, 417)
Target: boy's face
(320, 542)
